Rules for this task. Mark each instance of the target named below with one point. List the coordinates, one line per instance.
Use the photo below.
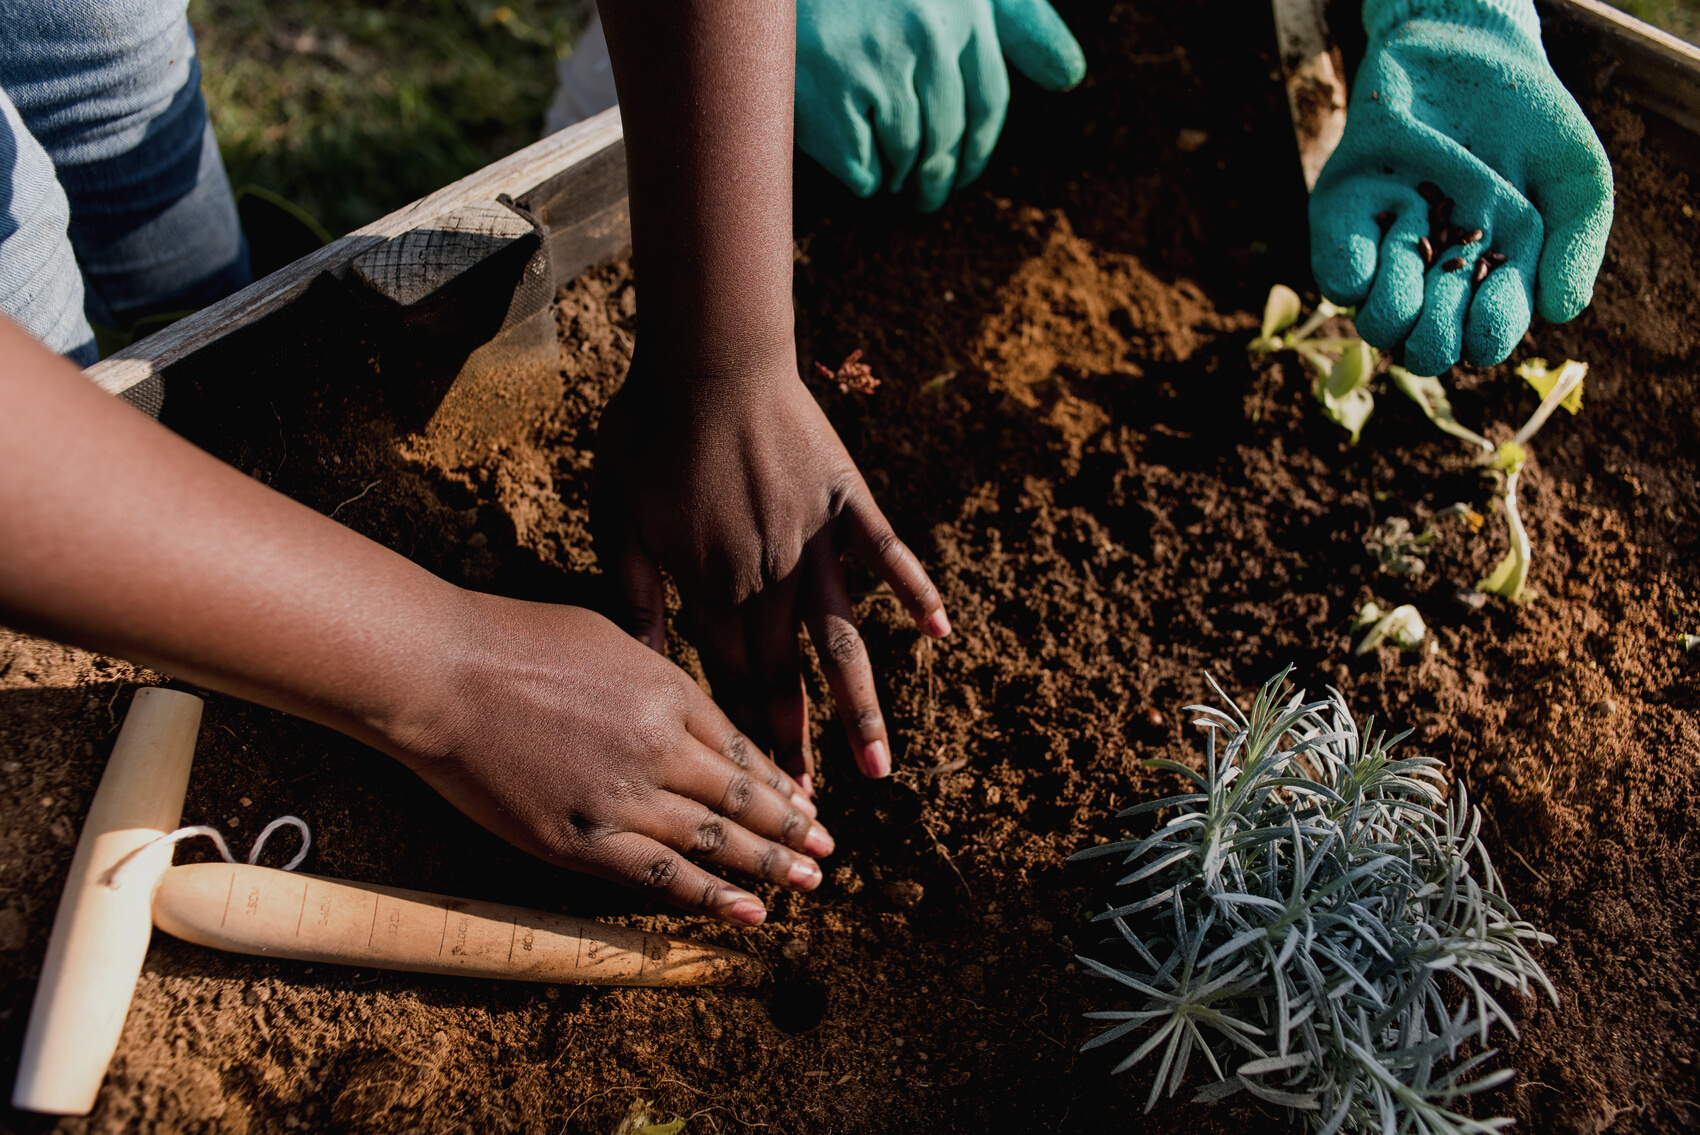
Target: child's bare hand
(743, 492)
(573, 742)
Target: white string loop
(113, 877)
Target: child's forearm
(123, 537)
(705, 92)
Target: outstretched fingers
(734, 752)
(844, 659)
(870, 535)
(643, 863)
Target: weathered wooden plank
(409, 267)
(1653, 67)
(1315, 75)
(547, 162)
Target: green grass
(1679, 17)
(354, 109)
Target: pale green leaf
(1430, 396)
(1352, 411)
(1402, 627)
(1513, 571)
(1509, 458)
(1280, 310)
(1352, 369)
(671, 1127)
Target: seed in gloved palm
(1453, 264)
(1425, 249)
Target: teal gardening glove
(1457, 123)
(890, 88)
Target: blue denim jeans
(103, 118)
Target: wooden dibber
(281, 914)
(100, 934)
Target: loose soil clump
(1113, 499)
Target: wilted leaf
(1352, 411)
(1513, 571)
(1545, 380)
(1565, 388)
(672, 1127)
(1430, 396)
(1402, 627)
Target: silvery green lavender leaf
(1302, 920)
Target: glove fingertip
(1499, 315)
(1564, 300)
(1343, 252)
(1039, 44)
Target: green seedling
(1510, 577)
(1430, 396)
(1401, 627)
(1690, 643)
(1341, 368)
(1318, 924)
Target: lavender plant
(1318, 924)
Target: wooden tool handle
(281, 914)
(100, 935)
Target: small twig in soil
(110, 716)
(1530, 866)
(356, 497)
(948, 860)
(947, 767)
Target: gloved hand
(886, 88)
(1458, 94)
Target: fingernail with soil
(804, 876)
(748, 910)
(876, 761)
(819, 843)
(938, 624)
(807, 784)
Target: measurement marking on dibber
(445, 938)
(227, 897)
(512, 938)
(302, 914)
(643, 952)
(377, 901)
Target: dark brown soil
(1114, 500)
